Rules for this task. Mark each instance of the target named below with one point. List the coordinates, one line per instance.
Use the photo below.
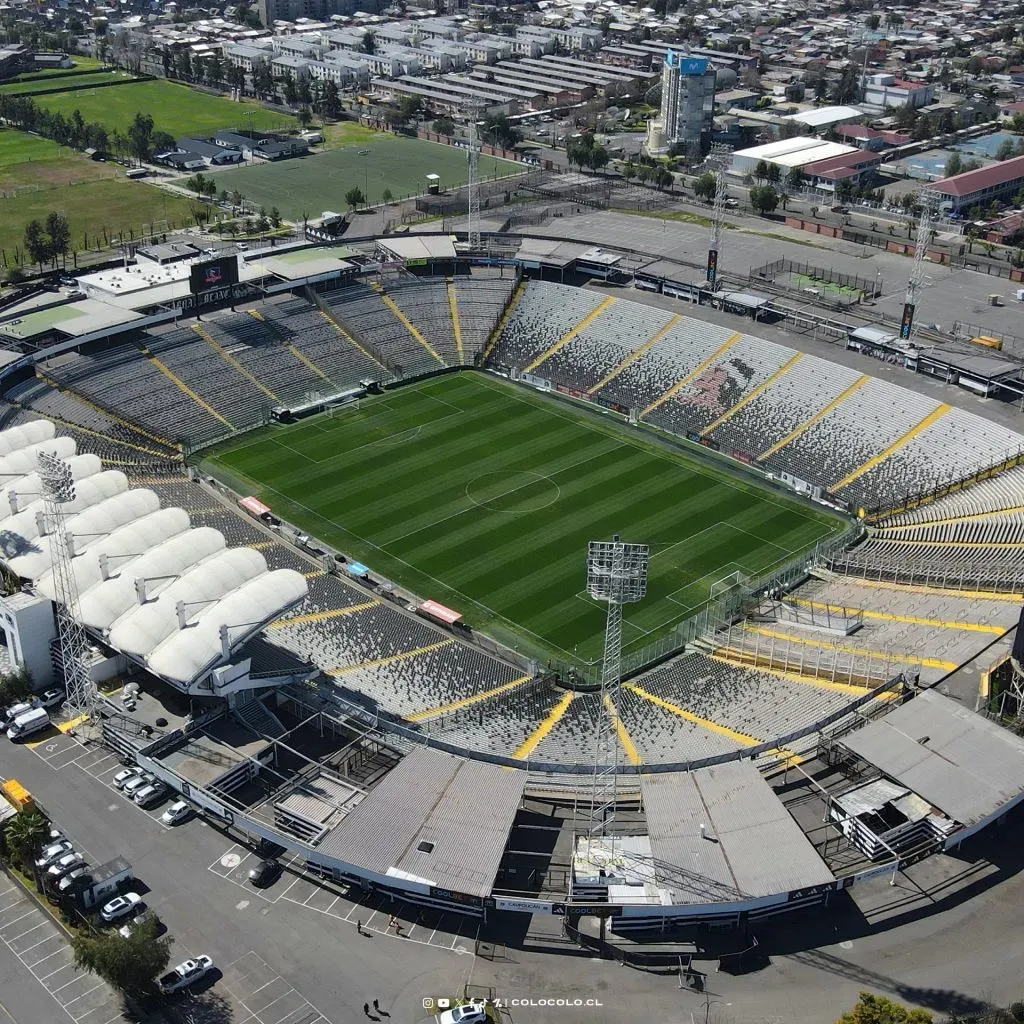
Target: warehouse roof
(957, 760)
(825, 116)
(795, 152)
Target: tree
(291, 92)
(795, 180)
(1007, 148)
(140, 136)
(954, 165)
(304, 116)
(444, 126)
(369, 43)
(330, 102)
(905, 115)
(764, 199)
(760, 171)
(386, 196)
(409, 107)
(58, 233)
(663, 178)
(354, 197)
(36, 244)
(499, 131)
(704, 187)
(130, 965)
(275, 217)
(872, 1009)
(597, 159)
(774, 174)
(26, 834)
(873, 21)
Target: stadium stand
(481, 299)
(425, 303)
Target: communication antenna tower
(718, 159)
(928, 201)
(617, 575)
(473, 220)
(58, 491)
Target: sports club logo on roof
(687, 65)
(212, 276)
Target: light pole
(366, 177)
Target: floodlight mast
(718, 160)
(58, 491)
(928, 200)
(617, 575)
(473, 190)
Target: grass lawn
(27, 160)
(81, 64)
(114, 203)
(319, 182)
(176, 109)
(347, 133)
(484, 496)
(35, 85)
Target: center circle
(513, 491)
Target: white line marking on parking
(11, 906)
(260, 989)
(63, 967)
(99, 984)
(77, 977)
(28, 932)
(49, 955)
(15, 921)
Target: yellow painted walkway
(391, 660)
(742, 659)
(904, 659)
(705, 723)
(569, 335)
(693, 375)
(232, 361)
(505, 317)
(913, 620)
(554, 716)
(453, 306)
(628, 747)
(408, 325)
(933, 417)
(466, 702)
(802, 428)
(635, 355)
(760, 390)
(334, 613)
(110, 415)
(884, 531)
(920, 588)
(178, 382)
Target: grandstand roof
(74, 319)
(17, 492)
(406, 247)
(720, 833)
(435, 818)
(959, 761)
(25, 434)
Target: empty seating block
(481, 301)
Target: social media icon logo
(443, 1004)
(428, 1003)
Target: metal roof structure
(22, 490)
(957, 760)
(434, 818)
(720, 834)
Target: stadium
(335, 530)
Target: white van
(30, 722)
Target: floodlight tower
(58, 490)
(617, 575)
(473, 193)
(928, 201)
(717, 159)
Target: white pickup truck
(185, 974)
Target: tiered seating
(604, 344)
(545, 313)
(950, 449)
(808, 388)
(481, 299)
(127, 383)
(257, 346)
(425, 303)
(852, 433)
(744, 367)
(676, 356)
(201, 367)
(571, 741)
(323, 344)
(364, 311)
(1001, 495)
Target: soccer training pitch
(483, 495)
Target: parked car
(141, 781)
(125, 775)
(150, 795)
(53, 852)
(59, 868)
(120, 906)
(176, 813)
(51, 698)
(241, 246)
(68, 881)
(731, 204)
(185, 974)
(264, 872)
(20, 708)
(473, 1012)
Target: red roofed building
(978, 188)
(852, 167)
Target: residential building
(885, 90)
(999, 182)
(687, 106)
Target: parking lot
(372, 911)
(32, 936)
(260, 995)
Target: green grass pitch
(483, 496)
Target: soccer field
(484, 496)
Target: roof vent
(425, 847)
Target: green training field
(484, 496)
(93, 78)
(313, 184)
(176, 109)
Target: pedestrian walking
(359, 926)
(393, 922)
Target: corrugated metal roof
(465, 809)
(954, 758)
(750, 845)
(986, 177)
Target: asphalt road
(23, 1000)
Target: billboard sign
(218, 273)
(907, 323)
(712, 270)
(693, 66)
